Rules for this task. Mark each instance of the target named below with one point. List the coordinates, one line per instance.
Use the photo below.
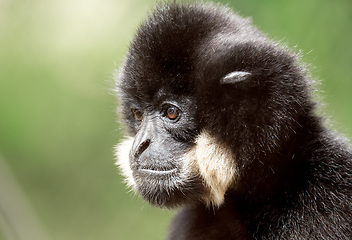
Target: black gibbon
(222, 124)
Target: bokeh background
(58, 123)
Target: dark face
(164, 132)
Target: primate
(222, 124)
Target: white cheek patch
(215, 164)
(122, 154)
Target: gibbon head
(202, 92)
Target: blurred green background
(57, 109)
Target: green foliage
(58, 123)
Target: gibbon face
(204, 95)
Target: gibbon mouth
(157, 171)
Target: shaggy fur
(223, 125)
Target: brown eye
(172, 113)
(138, 114)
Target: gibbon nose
(142, 147)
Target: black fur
(295, 175)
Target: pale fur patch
(122, 153)
(215, 164)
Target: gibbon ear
(235, 77)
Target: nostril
(142, 147)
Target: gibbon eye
(172, 112)
(138, 114)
